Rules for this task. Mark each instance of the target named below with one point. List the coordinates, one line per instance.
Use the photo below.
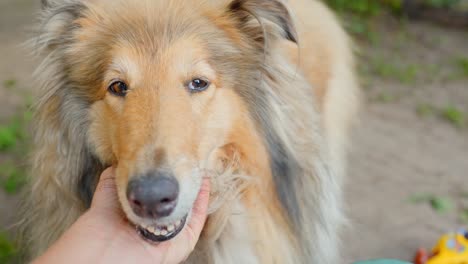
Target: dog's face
(162, 117)
(165, 79)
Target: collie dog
(258, 95)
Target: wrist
(85, 236)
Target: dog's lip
(160, 233)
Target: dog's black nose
(153, 195)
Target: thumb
(185, 243)
(105, 197)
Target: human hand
(104, 235)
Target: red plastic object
(421, 256)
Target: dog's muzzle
(153, 196)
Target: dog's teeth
(162, 230)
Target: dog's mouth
(161, 233)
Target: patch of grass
(441, 204)
(357, 15)
(408, 74)
(12, 178)
(402, 36)
(450, 113)
(397, 5)
(9, 84)
(358, 26)
(11, 133)
(404, 73)
(14, 140)
(464, 216)
(425, 110)
(437, 203)
(385, 97)
(462, 63)
(8, 251)
(394, 5)
(7, 137)
(363, 8)
(442, 3)
(453, 115)
(14, 133)
(384, 69)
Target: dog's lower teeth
(165, 231)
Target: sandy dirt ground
(16, 19)
(396, 152)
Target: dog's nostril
(165, 201)
(153, 195)
(136, 202)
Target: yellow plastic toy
(452, 248)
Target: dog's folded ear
(263, 18)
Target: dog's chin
(160, 233)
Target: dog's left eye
(118, 88)
(198, 85)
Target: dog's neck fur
(266, 239)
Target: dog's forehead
(184, 58)
(150, 26)
(171, 18)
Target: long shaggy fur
(61, 159)
(304, 133)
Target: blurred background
(408, 179)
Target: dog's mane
(296, 170)
(298, 165)
(62, 160)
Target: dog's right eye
(118, 88)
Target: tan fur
(307, 90)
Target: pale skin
(103, 235)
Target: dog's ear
(259, 17)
